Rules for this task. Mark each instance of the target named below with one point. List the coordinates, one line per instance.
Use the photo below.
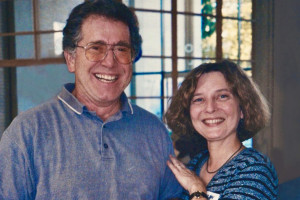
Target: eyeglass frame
(107, 49)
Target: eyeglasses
(98, 51)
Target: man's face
(100, 83)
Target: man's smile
(106, 78)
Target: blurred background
(262, 36)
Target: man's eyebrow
(121, 43)
(97, 42)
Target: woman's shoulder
(249, 173)
(251, 156)
(252, 162)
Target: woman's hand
(187, 178)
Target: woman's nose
(210, 106)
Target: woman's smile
(214, 110)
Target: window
(178, 35)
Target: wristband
(198, 195)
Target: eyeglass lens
(97, 52)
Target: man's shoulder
(27, 123)
(142, 112)
(37, 115)
(147, 120)
(42, 108)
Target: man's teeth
(105, 77)
(213, 121)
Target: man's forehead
(98, 28)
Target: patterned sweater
(249, 175)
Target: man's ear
(70, 60)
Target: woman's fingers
(185, 177)
(175, 165)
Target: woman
(219, 107)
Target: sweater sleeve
(14, 171)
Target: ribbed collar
(71, 102)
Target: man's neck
(104, 110)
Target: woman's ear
(242, 114)
(70, 60)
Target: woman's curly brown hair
(252, 103)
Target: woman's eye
(198, 100)
(224, 96)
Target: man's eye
(97, 49)
(94, 47)
(99, 46)
(121, 49)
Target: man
(89, 142)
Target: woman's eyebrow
(224, 90)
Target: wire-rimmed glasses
(98, 51)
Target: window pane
(230, 39)
(23, 10)
(153, 65)
(166, 40)
(54, 11)
(152, 105)
(196, 36)
(25, 47)
(246, 9)
(37, 84)
(146, 85)
(246, 40)
(156, 33)
(153, 4)
(194, 6)
(237, 9)
(209, 38)
(168, 92)
(230, 8)
(237, 39)
(51, 45)
(189, 36)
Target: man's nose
(109, 59)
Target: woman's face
(214, 110)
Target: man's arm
(170, 188)
(14, 174)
